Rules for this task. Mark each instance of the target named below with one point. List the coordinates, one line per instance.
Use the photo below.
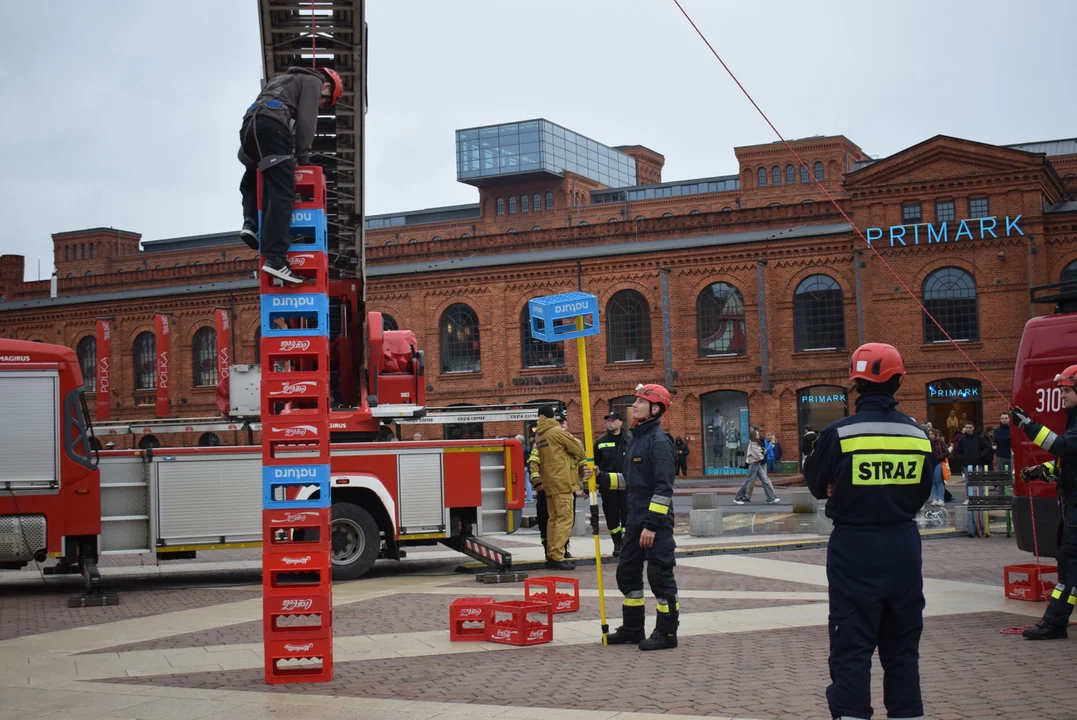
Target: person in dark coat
(680, 447)
(969, 450)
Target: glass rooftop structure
(724, 183)
(498, 154)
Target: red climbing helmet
(1067, 378)
(337, 84)
(876, 362)
(655, 394)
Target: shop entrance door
(725, 432)
(951, 402)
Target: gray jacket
(292, 100)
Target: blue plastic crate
(309, 486)
(546, 311)
(309, 224)
(311, 307)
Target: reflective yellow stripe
(664, 608)
(1050, 465)
(884, 469)
(1072, 599)
(633, 602)
(1041, 436)
(602, 446)
(1057, 594)
(884, 442)
(615, 481)
(658, 508)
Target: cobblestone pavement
(753, 645)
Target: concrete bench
(803, 502)
(823, 525)
(705, 501)
(705, 523)
(581, 526)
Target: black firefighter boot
(664, 636)
(631, 630)
(1044, 630)
(618, 541)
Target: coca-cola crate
(295, 394)
(282, 356)
(1030, 582)
(294, 487)
(467, 618)
(284, 436)
(295, 530)
(519, 622)
(309, 188)
(304, 657)
(298, 572)
(563, 593)
(311, 265)
(286, 616)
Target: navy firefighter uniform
(874, 470)
(1063, 469)
(648, 483)
(610, 457)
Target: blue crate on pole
(546, 311)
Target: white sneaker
(774, 501)
(282, 271)
(739, 501)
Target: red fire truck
(1048, 346)
(61, 498)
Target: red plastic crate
(1030, 582)
(299, 658)
(311, 265)
(282, 435)
(285, 616)
(299, 572)
(296, 531)
(295, 394)
(309, 188)
(283, 356)
(519, 622)
(467, 618)
(551, 589)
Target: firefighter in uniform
(1064, 470)
(610, 457)
(556, 461)
(874, 469)
(648, 483)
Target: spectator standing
(680, 447)
(969, 449)
(938, 484)
(777, 449)
(770, 454)
(807, 441)
(1001, 444)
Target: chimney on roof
(53, 286)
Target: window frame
(532, 351)
(710, 315)
(628, 313)
(204, 357)
(815, 328)
(940, 204)
(987, 207)
(776, 176)
(790, 174)
(525, 204)
(805, 175)
(761, 177)
(952, 286)
(499, 207)
(88, 366)
(512, 205)
(148, 342)
(818, 170)
(549, 200)
(906, 218)
(454, 351)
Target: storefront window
(725, 432)
(464, 431)
(817, 407)
(951, 402)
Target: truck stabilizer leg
(94, 595)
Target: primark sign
(925, 234)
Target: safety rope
(804, 168)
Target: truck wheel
(356, 541)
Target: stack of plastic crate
(296, 546)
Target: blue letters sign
(819, 399)
(968, 229)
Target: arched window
(536, 353)
(71, 275)
(67, 253)
(204, 357)
(512, 205)
(145, 356)
(667, 214)
(465, 235)
(510, 231)
(818, 314)
(460, 340)
(817, 169)
(89, 273)
(612, 220)
(412, 241)
(536, 227)
(549, 200)
(628, 328)
(82, 250)
(720, 321)
(583, 222)
(525, 204)
(388, 322)
(950, 296)
(536, 202)
(389, 243)
(208, 440)
(93, 250)
(623, 404)
(804, 178)
(790, 174)
(775, 176)
(696, 212)
(500, 206)
(639, 217)
(1069, 273)
(727, 209)
(762, 175)
(87, 352)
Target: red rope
(829, 197)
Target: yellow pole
(588, 445)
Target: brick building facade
(745, 292)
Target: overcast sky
(125, 113)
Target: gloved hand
(602, 480)
(1020, 416)
(1036, 472)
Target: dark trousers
(1065, 593)
(661, 560)
(876, 589)
(542, 514)
(615, 508)
(262, 137)
(682, 465)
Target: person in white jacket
(756, 458)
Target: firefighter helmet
(1067, 378)
(655, 394)
(337, 85)
(876, 362)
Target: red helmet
(656, 394)
(333, 79)
(1067, 378)
(876, 362)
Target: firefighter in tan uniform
(556, 460)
